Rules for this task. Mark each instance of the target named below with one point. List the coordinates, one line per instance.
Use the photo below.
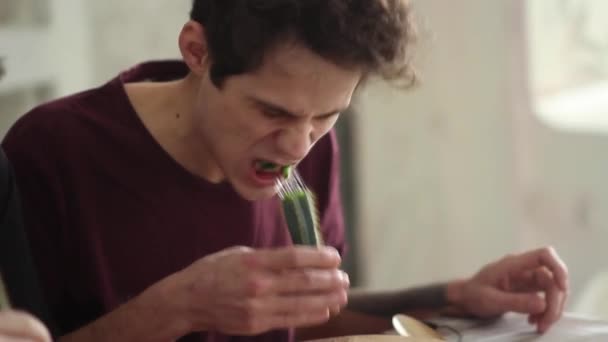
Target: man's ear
(194, 48)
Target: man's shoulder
(61, 111)
(58, 119)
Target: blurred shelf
(25, 58)
(24, 13)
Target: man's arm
(370, 312)
(151, 316)
(533, 283)
(430, 298)
(237, 291)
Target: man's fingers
(307, 303)
(294, 257)
(273, 312)
(335, 310)
(21, 325)
(533, 280)
(526, 303)
(541, 279)
(301, 319)
(309, 280)
(543, 257)
(4, 338)
(555, 299)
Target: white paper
(515, 328)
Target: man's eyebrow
(272, 106)
(286, 112)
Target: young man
(152, 216)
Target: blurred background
(502, 148)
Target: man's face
(272, 115)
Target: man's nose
(295, 142)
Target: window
(23, 39)
(44, 49)
(568, 54)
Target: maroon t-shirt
(109, 212)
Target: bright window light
(568, 45)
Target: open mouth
(269, 170)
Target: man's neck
(167, 111)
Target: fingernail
(331, 252)
(346, 278)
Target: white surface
(515, 328)
(593, 301)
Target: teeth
(266, 166)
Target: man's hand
(245, 292)
(533, 283)
(20, 326)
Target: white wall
(436, 162)
(460, 171)
(46, 53)
(77, 45)
(126, 32)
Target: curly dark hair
(375, 35)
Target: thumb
(525, 303)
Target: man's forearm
(388, 303)
(148, 317)
(369, 312)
